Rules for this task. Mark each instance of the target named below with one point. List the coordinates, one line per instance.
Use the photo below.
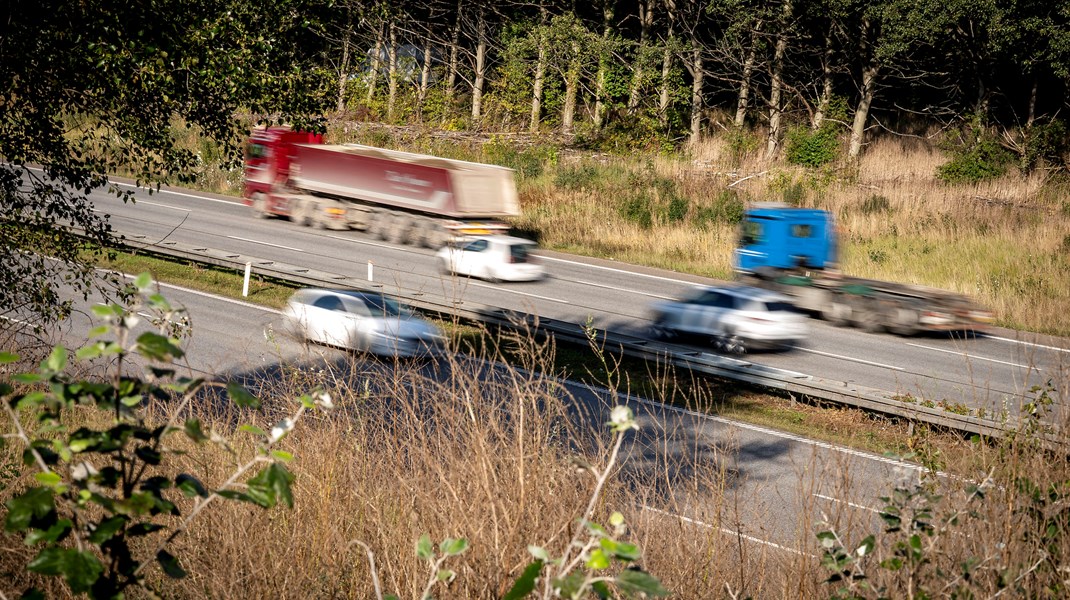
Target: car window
(329, 303)
(725, 301)
(476, 246)
(519, 252)
(778, 306)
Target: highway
(991, 372)
(777, 487)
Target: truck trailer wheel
(260, 208)
(837, 313)
(867, 320)
(400, 230)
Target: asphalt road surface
(993, 372)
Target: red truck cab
(268, 156)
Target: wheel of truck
(437, 236)
(400, 229)
(302, 213)
(381, 222)
(905, 322)
(868, 320)
(260, 209)
(836, 313)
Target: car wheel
(489, 276)
(444, 267)
(731, 343)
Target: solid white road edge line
(851, 504)
(727, 531)
(850, 358)
(974, 356)
(234, 237)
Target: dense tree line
(687, 67)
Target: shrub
(727, 207)
(875, 204)
(812, 148)
(975, 156)
(636, 208)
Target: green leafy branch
(100, 489)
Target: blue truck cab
(783, 238)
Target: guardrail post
(370, 275)
(245, 284)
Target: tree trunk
(858, 127)
(425, 79)
(603, 64)
(481, 65)
(540, 73)
(867, 91)
(743, 99)
(1031, 116)
(373, 77)
(698, 75)
(776, 83)
(646, 21)
(455, 50)
(343, 68)
(826, 82)
(666, 72)
(572, 85)
(392, 73)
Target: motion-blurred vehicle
(794, 251)
(734, 319)
(492, 257)
(401, 197)
(361, 321)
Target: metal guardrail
(872, 399)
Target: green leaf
(194, 432)
(143, 281)
(94, 350)
(57, 361)
(444, 574)
(80, 569)
(54, 533)
(636, 581)
(525, 584)
(423, 547)
(99, 330)
(282, 455)
(8, 358)
(539, 553)
(157, 347)
(28, 508)
(106, 529)
(620, 550)
(452, 546)
(271, 485)
(242, 397)
(570, 584)
(170, 565)
(253, 429)
(598, 560)
(190, 486)
(50, 479)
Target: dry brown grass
(465, 450)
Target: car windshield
(381, 306)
